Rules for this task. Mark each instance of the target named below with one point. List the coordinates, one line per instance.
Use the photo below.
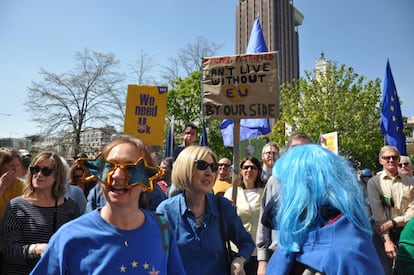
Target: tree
(142, 69)
(188, 59)
(184, 103)
(184, 96)
(66, 102)
(336, 100)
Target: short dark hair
(190, 125)
(296, 136)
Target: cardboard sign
(330, 141)
(146, 107)
(241, 86)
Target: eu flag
(203, 140)
(391, 118)
(249, 128)
(169, 143)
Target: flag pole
(236, 169)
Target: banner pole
(236, 159)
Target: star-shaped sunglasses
(138, 173)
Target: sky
(48, 33)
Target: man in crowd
(405, 167)
(189, 138)
(266, 237)
(391, 198)
(270, 153)
(224, 179)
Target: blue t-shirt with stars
(90, 245)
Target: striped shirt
(25, 224)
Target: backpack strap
(165, 231)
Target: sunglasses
(403, 164)
(138, 173)
(203, 165)
(251, 167)
(45, 170)
(390, 157)
(224, 165)
(270, 153)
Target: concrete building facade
(279, 20)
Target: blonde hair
(59, 171)
(137, 143)
(184, 165)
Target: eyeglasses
(271, 153)
(45, 170)
(224, 165)
(390, 157)
(403, 164)
(202, 165)
(251, 167)
(137, 173)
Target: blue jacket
(201, 248)
(335, 249)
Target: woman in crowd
(119, 238)
(31, 219)
(320, 216)
(195, 218)
(76, 173)
(249, 197)
(10, 184)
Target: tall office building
(279, 20)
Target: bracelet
(394, 224)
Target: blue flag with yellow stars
(249, 128)
(391, 119)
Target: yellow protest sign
(241, 86)
(146, 107)
(330, 141)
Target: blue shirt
(201, 247)
(90, 245)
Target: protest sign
(145, 113)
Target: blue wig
(312, 177)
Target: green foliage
(184, 101)
(184, 104)
(338, 100)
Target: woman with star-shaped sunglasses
(118, 237)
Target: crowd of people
(302, 210)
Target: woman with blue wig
(321, 217)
